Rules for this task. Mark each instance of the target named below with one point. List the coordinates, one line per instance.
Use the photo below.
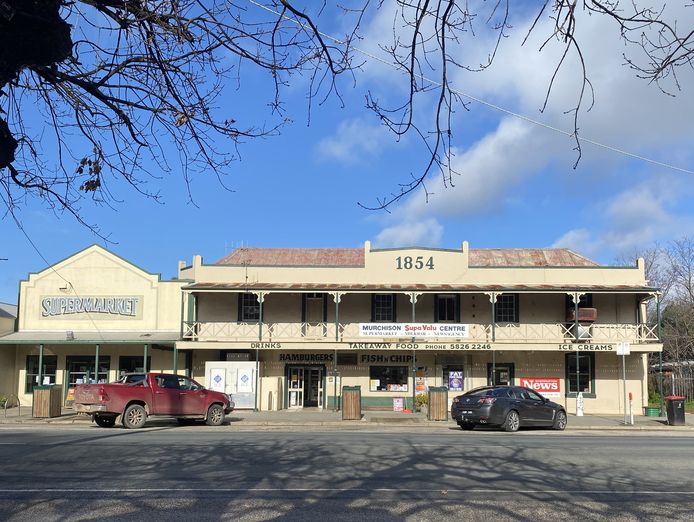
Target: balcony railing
(349, 332)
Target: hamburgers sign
(545, 387)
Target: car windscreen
(488, 392)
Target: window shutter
(373, 308)
(240, 308)
(395, 308)
(457, 308)
(436, 308)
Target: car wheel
(215, 415)
(134, 417)
(105, 421)
(512, 421)
(466, 426)
(559, 421)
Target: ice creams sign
(128, 306)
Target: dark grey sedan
(508, 407)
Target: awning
(443, 288)
(90, 337)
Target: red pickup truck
(136, 396)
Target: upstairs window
(506, 309)
(249, 308)
(447, 308)
(383, 308)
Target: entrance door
(500, 374)
(314, 387)
(295, 387)
(305, 386)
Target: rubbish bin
(675, 410)
(351, 403)
(47, 401)
(438, 403)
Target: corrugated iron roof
(484, 257)
(512, 257)
(294, 257)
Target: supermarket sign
(413, 330)
(545, 387)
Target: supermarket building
(288, 328)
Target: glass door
(500, 374)
(314, 387)
(295, 386)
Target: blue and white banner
(413, 330)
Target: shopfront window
(583, 380)
(132, 364)
(80, 369)
(50, 367)
(388, 378)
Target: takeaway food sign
(543, 386)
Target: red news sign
(545, 387)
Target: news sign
(545, 387)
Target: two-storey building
(287, 328)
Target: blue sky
(517, 186)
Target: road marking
(446, 491)
(13, 443)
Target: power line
(480, 100)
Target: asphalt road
(201, 473)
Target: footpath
(370, 419)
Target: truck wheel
(134, 417)
(105, 421)
(215, 415)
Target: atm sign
(545, 387)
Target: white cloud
(418, 233)
(633, 220)
(628, 114)
(354, 141)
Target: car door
(193, 396)
(529, 407)
(166, 395)
(544, 411)
(538, 412)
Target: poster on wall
(421, 379)
(218, 379)
(398, 404)
(244, 380)
(543, 386)
(455, 381)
